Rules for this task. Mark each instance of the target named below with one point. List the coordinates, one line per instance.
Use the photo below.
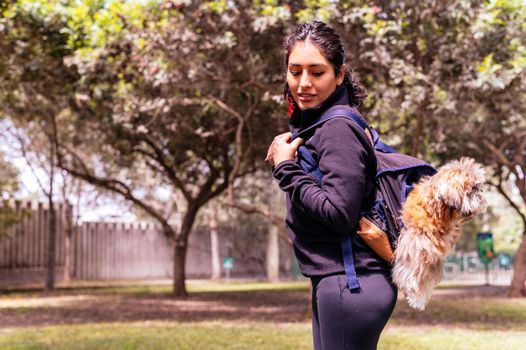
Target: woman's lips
(306, 97)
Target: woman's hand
(282, 148)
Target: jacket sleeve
(341, 156)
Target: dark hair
(330, 44)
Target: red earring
(291, 105)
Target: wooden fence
(109, 251)
(24, 246)
(120, 251)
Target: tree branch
(498, 154)
(273, 219)
(112, 185)
(499, 186)
(161, 159)
(29, 164)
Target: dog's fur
(432, 217)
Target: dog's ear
(474, 201)
(474, 171)
(449, 186)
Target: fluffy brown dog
(432, 216)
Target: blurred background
(132, 144)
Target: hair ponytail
(357, 92)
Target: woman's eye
(296, 73)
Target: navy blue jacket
(318, 217)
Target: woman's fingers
(284, 149)
(280, 139)
(296, 143)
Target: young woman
(319, 216)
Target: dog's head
(459, 185)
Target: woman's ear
(341, 74)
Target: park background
(139, 212)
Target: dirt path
(228, 306)
(260, 306)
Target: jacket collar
(301, 120)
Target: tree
(492, 106)
(36, 86)
(186, 120)
(50, 49)
(8, 186)
(8, 179)
(34, 152)
(137, 114)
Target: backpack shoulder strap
(352, 113)
(349, 112)
(309, 165)
(345, 111)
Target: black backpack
(396, 175)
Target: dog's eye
(477, 188)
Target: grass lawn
(216, 336)
(163, 335)
(450, 338)
(253, 316)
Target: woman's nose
(305, 80)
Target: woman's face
(310, 75)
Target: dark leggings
(344, 320)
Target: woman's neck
(304, 118)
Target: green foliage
(151, 105)
(508, 232)
(102, 20)
(9, 185)
(316, 10)
(9, 182)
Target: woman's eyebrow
(310, 65)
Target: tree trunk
(519, 271)
(67, 258)
(67, 244)
(179, 286)
(50, 276)
(273, 254)
(214, 243)
(180, 247)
